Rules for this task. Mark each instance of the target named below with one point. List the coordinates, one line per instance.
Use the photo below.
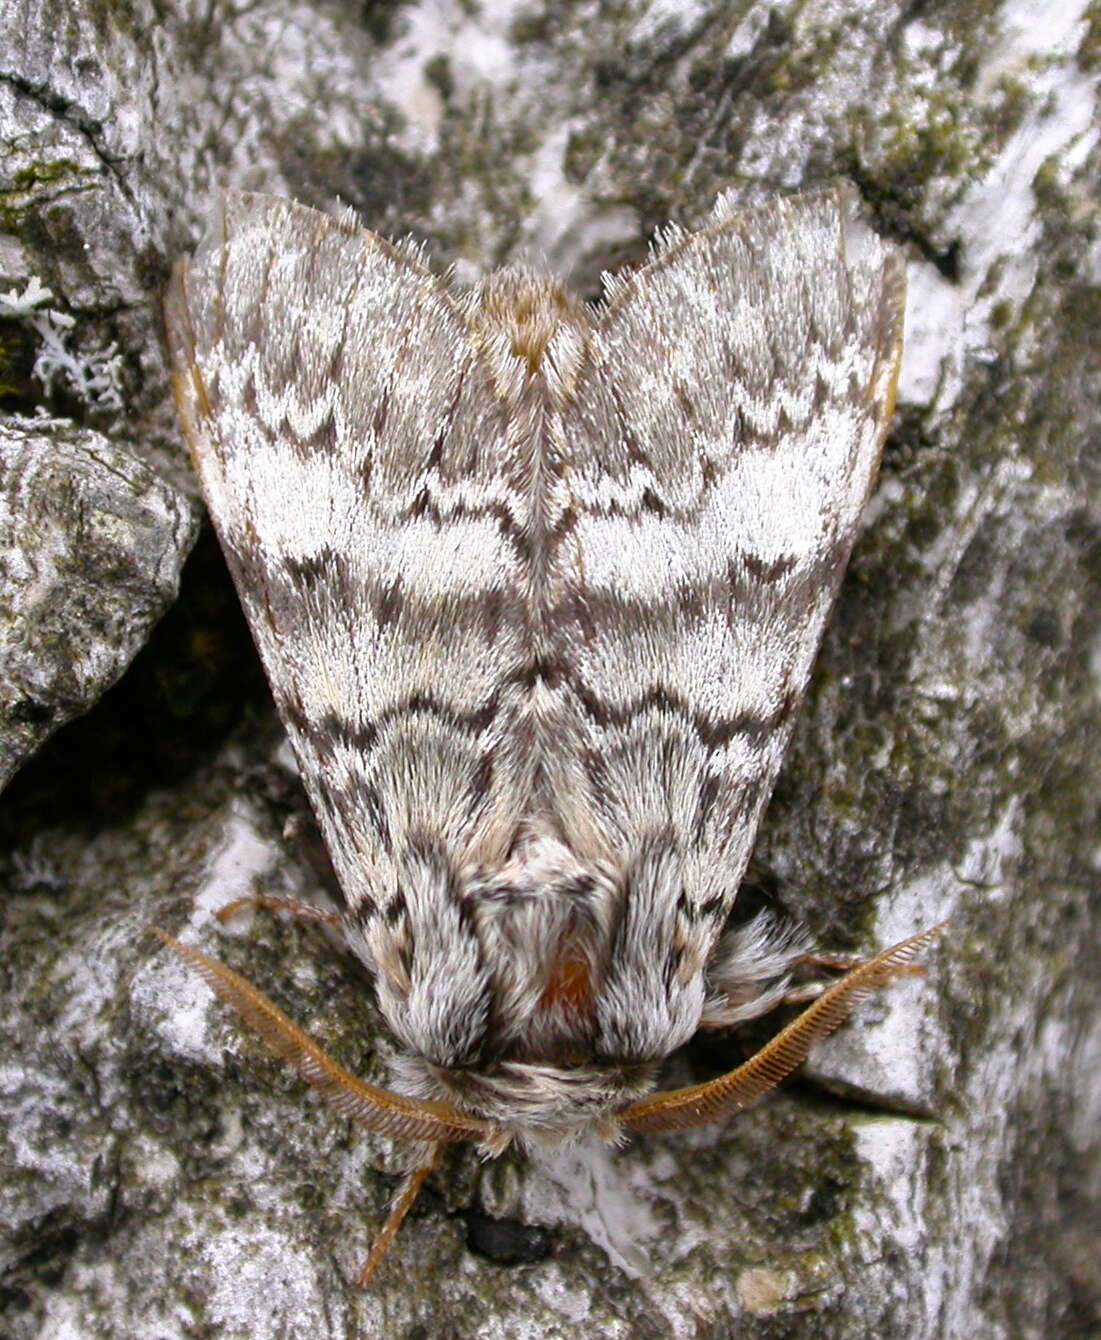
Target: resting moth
(538, 590)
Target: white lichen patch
(587, 1188)
(93, 375)
(949, 324)
(887, 1053)
(237, 867)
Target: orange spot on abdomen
(569, 987)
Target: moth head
(432, 1123)
(426, 1119)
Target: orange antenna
(379, 1110)
(700, 1104)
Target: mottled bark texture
(91, 542)
(936, 1171)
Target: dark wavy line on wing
(742, 583)
(431, 501)
(488, 612)
(331, 730)
(742, 586)
(712, 732)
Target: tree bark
(935, 1169)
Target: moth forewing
(538, 590)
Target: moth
(538, 589)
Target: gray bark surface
(93, 540)
(936, 1169)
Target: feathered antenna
(700, 1104)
